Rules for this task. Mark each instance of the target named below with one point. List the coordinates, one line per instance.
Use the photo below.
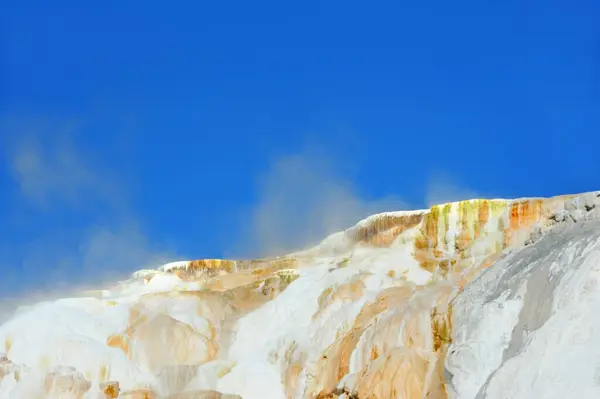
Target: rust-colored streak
(335, 362)
(398, 374)
(522, 214)
(111, 390)
(213, 268)
(120, 342)
(347, 346)
(384, 230)
(337, 393)
(374, 353)
(514, 216)
(441, 331)
(483, 214)
(386, 298)
(350, 291)
(441, 328)
(525, 213)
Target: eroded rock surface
(473, 299)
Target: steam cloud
(78, 229)
(304, 197)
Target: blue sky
(135, 134)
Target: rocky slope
(473, 299)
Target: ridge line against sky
(90, 229)
(133, 135)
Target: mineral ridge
(472, 299)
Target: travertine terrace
(451, 302)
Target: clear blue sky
(130, 129)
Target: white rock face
(528, 327)
(474, 299)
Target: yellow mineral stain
(287, 276)
(223, 371)
(469, 227)
(431, 226)
(324, 297)
(103, 374)
(120, 342)
(446, 212)
(44, 362)
(476, 221)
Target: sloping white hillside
(528, 327)
(474, 299)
